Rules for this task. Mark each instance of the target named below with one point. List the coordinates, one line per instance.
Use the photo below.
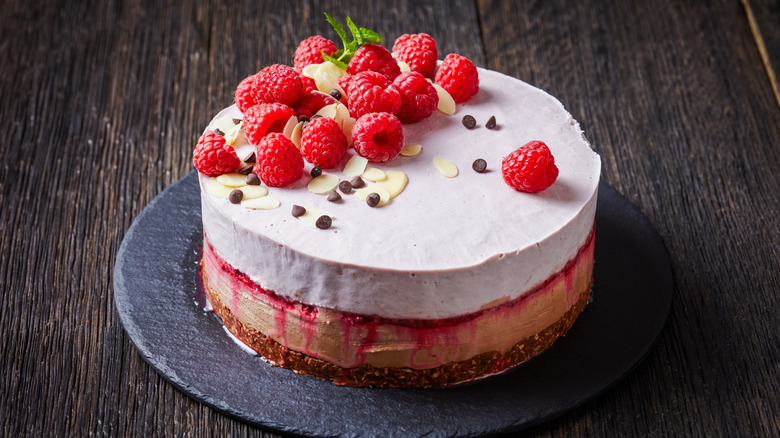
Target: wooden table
(103, 102)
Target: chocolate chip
(334, 196)
(345, 187)
(236, 121)
(324, 222)
(469, 121)
(303, 118)
(298, 211)
(491, 123)
(252, 180)
(236, 196)
(316, 171)
(357, 182)
(479, 165)
(250, 159)
(246, 170)
(373, 199)
(336, 94)
(219, 132)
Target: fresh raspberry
(308, 85)
(323, 142)
(373, 57)
(264, 118)
(310, 51)
(459, 77)
(531, 168)
(212, 157)
(277, 83)
(278, 162)
(244, 96)
(344, 82)
(378, 136)
(311, 103)
(419, 51)
(371, 92)
(418, 97)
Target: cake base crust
(482, 365)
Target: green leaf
(339, 30)
(356, 34)
(369, 36)
(336, 61)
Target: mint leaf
(336, 61)
(356, 35)
(360, 36)
(337, 27)
(369, 36)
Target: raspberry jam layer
(275, 326)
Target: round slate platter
(155, 290)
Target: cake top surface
(439, 223)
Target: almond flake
(446, 167)
(288, 128)
(384, 195)
(374, 174)
(446, 102)
(234, 133)
(411, 150)
(323, 184)
(218, 190)
(326, 82)
(395, 183)
(224, 124)
(232, 180)
(262, 203)
(252, 192)
(297, 132)
(328, 111)
(355, 166)
(310, 70)
(331, 69)
(349, 123)
(342, 114)
(403, 66)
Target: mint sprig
(360, 36)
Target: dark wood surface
(102, 104)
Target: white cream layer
(443, 247)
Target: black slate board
(155, 288)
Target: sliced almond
(310, 70)
(312, 214)
(374, 174)
(233, 134)
(395, 182)
(342, 114)
(252, 192)
(355, 166)
(328, 111)
(297, 132)
(349, 123)
(403, 66)
(446, 102)
(323, 184)
(232, 180)
(262, 203)
(224, 124)
(445, 167)
(331, 69)
(384, 195)
(218, 190)
(326, 82)
(411, 150)
(288, 128)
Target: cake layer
(444, 247)
(348, 340)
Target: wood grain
(103, 101)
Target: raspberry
(212, 157)
(311, 103)
(459, 77)
(531, 168)
(418, 97)
(244, 96)
(310, 50)
(308, 85)
(378, 136)
(264, 118)
(419, 51)
(277, 83)
(323, 142)
(279, 163)
(344, 82)
(373, 57)
(371, 92)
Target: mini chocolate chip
(346, 187)
(324, 222)
(236, 196)
(303, 118)
(479, 165)
(251, 158)
(252, 180)
(469, 121)
(491, 123)
(336, 94)
(373, 199)
(316, 171)
(357, 182)
(246, 170)
(236, 121)
(334, 196)
(219, 132)
(298, 211)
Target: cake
(451, 276)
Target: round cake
(453, 276)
